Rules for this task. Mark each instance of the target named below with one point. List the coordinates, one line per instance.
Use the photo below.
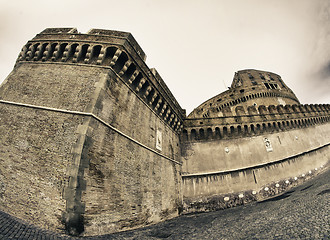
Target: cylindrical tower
(249, 88)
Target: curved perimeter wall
(236, 165)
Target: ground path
(302, 213)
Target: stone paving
(302, 213)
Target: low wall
(255, 177)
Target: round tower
(249, 88)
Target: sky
(195, 45)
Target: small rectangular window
(280, 80)
(159, 140)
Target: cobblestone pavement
(302, 213)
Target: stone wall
(105, 49)
(217, 191)
(49, 85)
(34, 155)
(215, 168)
(93, 131)
(37, 143)
(128, 185)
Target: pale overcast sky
(196, 45)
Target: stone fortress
(94, 142)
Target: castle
(94, 142)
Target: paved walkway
(302, 213)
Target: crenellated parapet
(117, 51)
(251, 121)
(215, 110)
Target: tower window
(273, 85)
(267, 85)
(280, 80)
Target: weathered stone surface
(301, 213)
(93, 141)
(34, 156)
(85, 139)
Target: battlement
(91, 113)
(117, 51)
(93, 35)
(252, 121)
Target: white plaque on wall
(281, 101)
(159, 140)
(268, 145)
